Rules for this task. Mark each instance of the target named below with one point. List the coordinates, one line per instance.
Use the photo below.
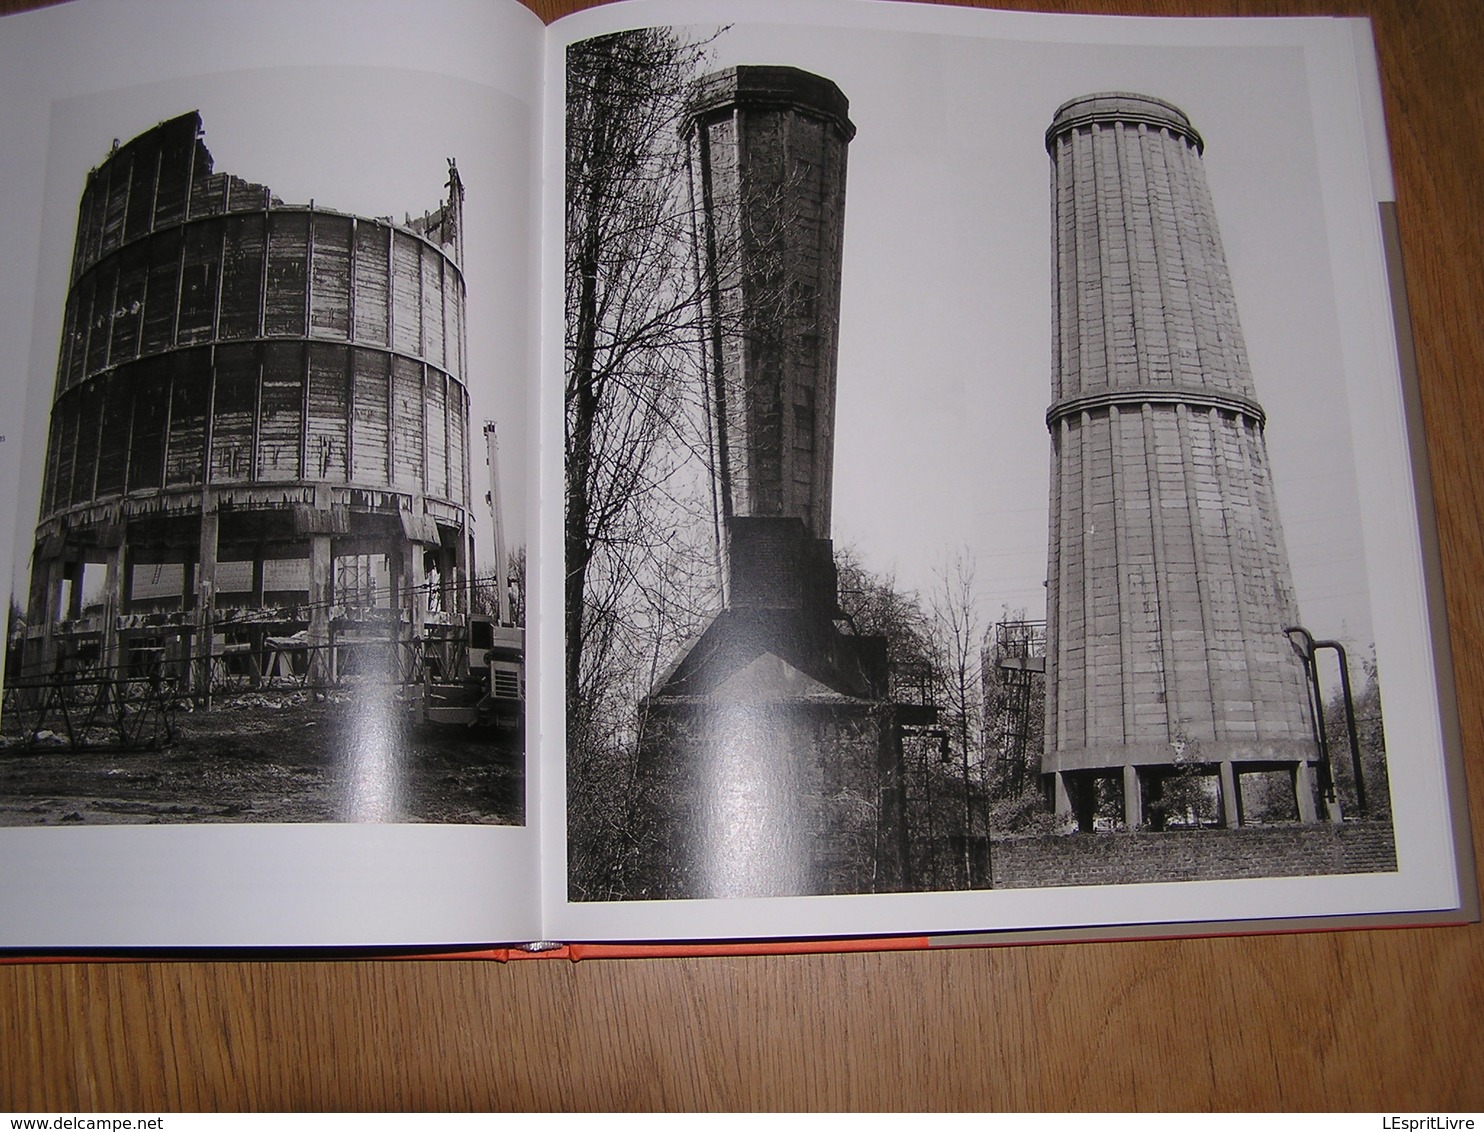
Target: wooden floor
(1379, 1020)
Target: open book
(471, 483)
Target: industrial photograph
(861, 595)
(270, 578)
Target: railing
(91, 710)
(82, 706)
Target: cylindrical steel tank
(214, 334)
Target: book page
(881, 617)
(269, 345)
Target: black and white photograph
(275, 565)
(961, 490)
(720, 555)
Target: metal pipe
(1355, 762)
(1305, 645)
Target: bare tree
(874, 606)
(1371, 733)
(630, 307)
(15, 635)
(937, 649)
(959, 640)
(640, 556)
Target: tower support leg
(1303, 789)
(1133, 798)
(1231, 802)
(1061, 796)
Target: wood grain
(1380, 1020)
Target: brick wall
(775, 799)
(1208, 854)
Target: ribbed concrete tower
(769, 766)
(1168, 582)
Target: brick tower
(768, 149)
(1168, 584)
(768, 766)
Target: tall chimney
(770, 764)
(767, 165)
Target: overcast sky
(945, 339)
(945, 330)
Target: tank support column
(205, 599)
(46, 602)
(413, 585)
(463, 554)
(113, 605)
(321, 594)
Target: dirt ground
(356, 755)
